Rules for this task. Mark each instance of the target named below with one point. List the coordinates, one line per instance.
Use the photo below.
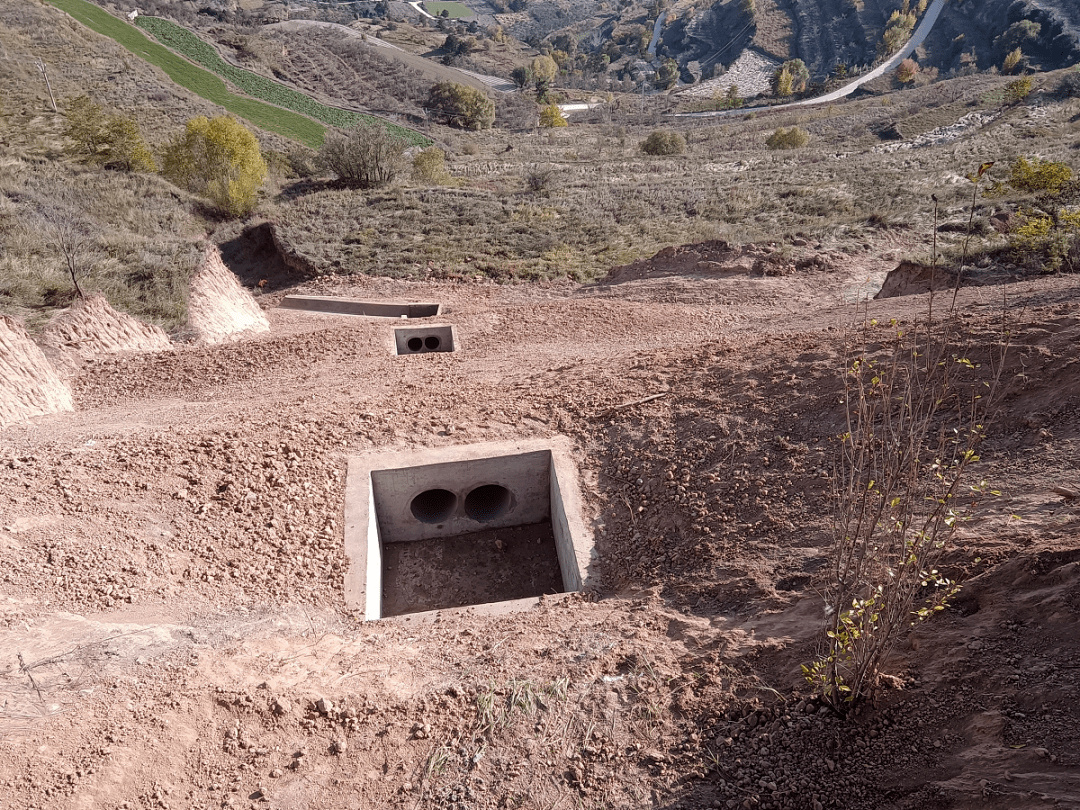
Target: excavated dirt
(90, 327)
(173, 632)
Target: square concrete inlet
(351, 306)
(424, 339)
(477, 525)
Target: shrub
(897, 32)
(791, 77)
(219, 159)
(907, 70)
(521, 76)
(788, 138)
(551, 116)
(543, 70)
(1017, 90)
(1070, 84)
(461, 106)
(915, 419)
(429, 167)
(366, 156)
(113, 141)
(664, 142)
(1012, 59)
(1038, 176)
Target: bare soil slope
(174, 632)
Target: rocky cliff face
(29, 385)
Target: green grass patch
(455, 11)
(185, 42)
(195, 79)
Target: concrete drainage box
(424, 339)
(351, 306)
(487, 524)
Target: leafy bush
(664, 142)
(907, 70)
(1012, 59)
(429, 167)
(367, 156)
(915, 420)
(1017, 90)
(1038, 176)
(461, 106)
(219, 159)
(551, 116)
(897, 32)
(543, 70)
(791, 77)
(788, 138)
(113, 141)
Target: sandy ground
(173, 632)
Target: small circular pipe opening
(415, 344)
(487, 503)
(433, 505)
(432, 342)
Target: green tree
(544, 70)
(667, 75)
(791, 77)
(219, 159)
(551, 116)
(461, 106)
(664, 142)
(897, 32)
(1012, 59)
(113, 141)
(521, 76)
(366, 156)
(1017, 90)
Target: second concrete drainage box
(424, 339)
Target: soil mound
(912, 278)
(715, 259)
(29, 385)
(220, 309)
(91, 327)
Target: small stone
(276, 773)
(324, 706)
(281, 706)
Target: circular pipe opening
(415, 344)
(433, 505)
(487, 503)
(432, 342)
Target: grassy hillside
(180, 39)
(195, 79)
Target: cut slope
(29, 386)
(220, 309)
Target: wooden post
(52, 98)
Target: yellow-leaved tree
(217, 158)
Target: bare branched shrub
(367, 156)
(916, 414)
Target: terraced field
(183, 41)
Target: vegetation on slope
(183, 41)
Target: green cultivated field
(288, 122)
(456, 11)
(183, 41)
